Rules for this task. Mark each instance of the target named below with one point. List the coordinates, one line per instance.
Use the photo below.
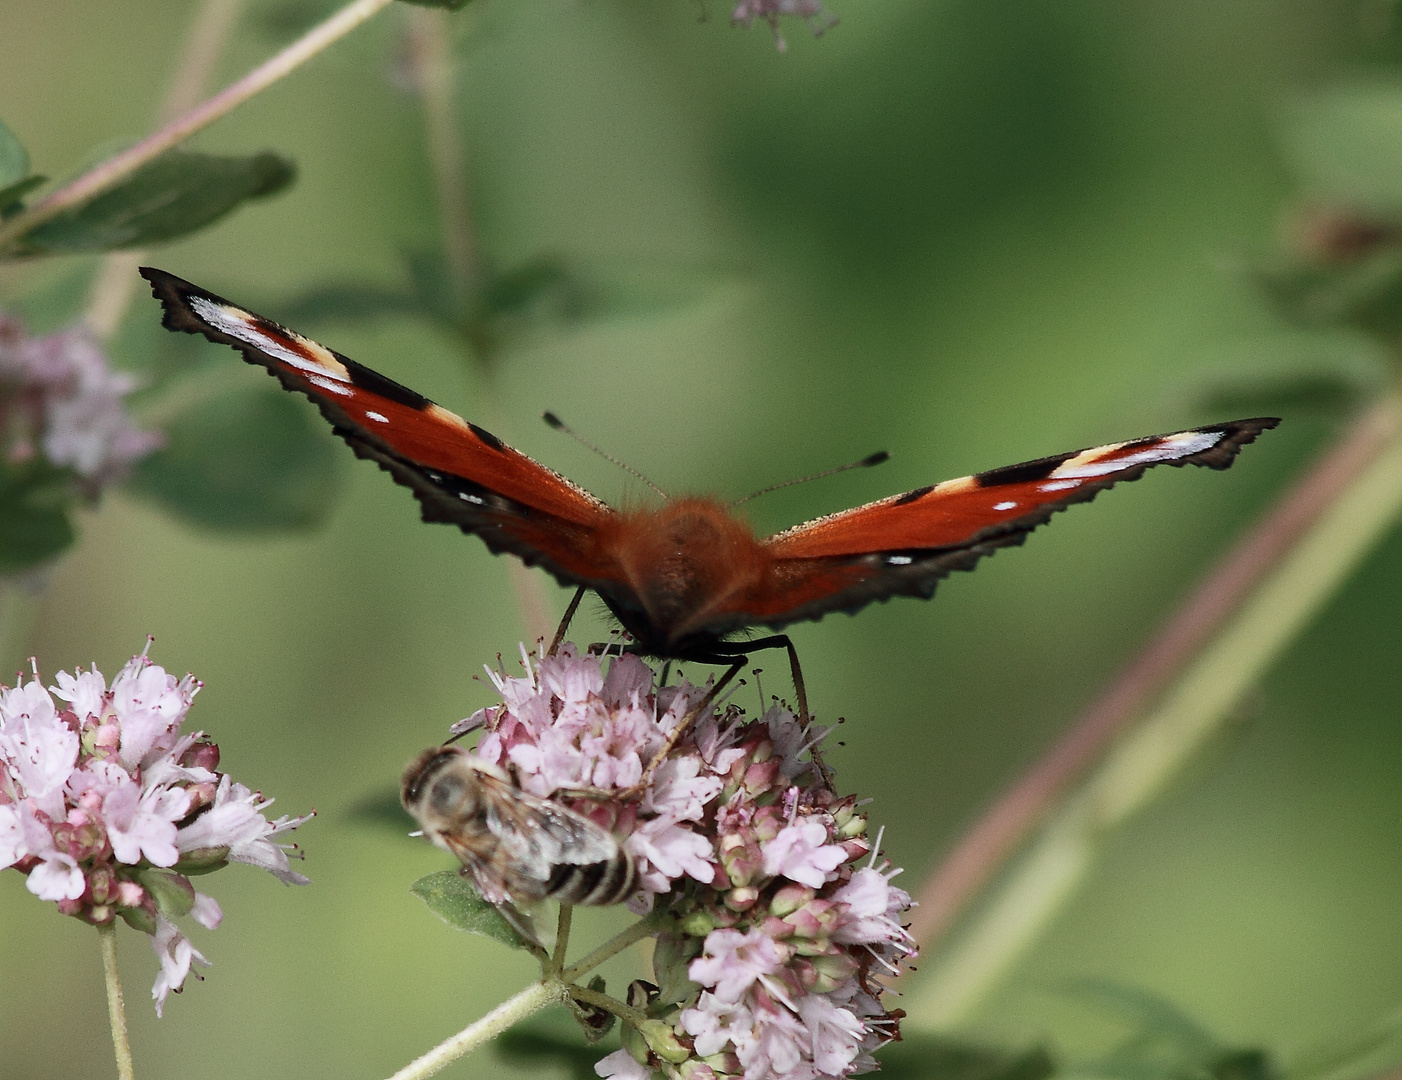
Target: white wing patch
(1094, 463)
(242, 325)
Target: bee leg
(523, 923)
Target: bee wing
(536, 837)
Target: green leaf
(1365, 293)
(176, 194)
(34, 523)
(538, 1043)
(10, 197)
(452, 898)
(920, 1056)
(247, 461)
(14, 160)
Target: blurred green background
(969, 232)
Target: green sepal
(173, 894)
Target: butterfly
(684, 576)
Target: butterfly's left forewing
(459, 472)
(903, 545)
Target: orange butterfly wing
(460, 473)
(903, 545)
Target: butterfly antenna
(559, 425)
(866, 463)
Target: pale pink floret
(176, 954)
(141, 823)
(872, 908)
(620, 1066)
(714, 1023)
(836, 1034)
(236, 821)
(733, 962)
(66, 399)
(666, 850)
(800, 853)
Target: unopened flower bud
(202, 755)
(790, 898)
(742, 898)
(698, 924)
(662, 1040)
(830, 972)
(760, 776)
(102, 884)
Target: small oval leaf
(452, 898)
(177, 193)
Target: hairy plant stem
(114, 285)
(562, 940)
(118, 167)
(512, 1011)
(116, 1010)
(1006, 825)
(551, 988)
(1301, 578)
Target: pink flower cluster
(812, 12)
(106, 807)
(59, 397)
(783, 926)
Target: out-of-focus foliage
(176, 194)
(246, 461)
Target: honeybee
(516, 846)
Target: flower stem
(615, 945)
(961, 875)
(562, 939)
(118, 167)
(1299, 583)
(599, 1000)
(430, 55)
(512, 1011)
(430, 50)
(115, 283)
(116, 1011)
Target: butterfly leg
(565, 622)
(782, 641)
